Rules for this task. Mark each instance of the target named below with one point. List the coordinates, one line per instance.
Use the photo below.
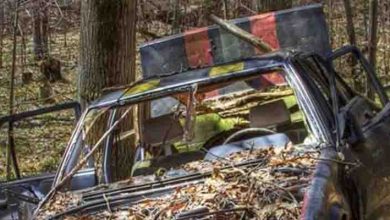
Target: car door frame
(14, 192)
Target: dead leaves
(273, 189)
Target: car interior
(261, 125)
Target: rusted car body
(350, 180)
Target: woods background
(45, 36)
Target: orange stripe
(264, 27)
(198, 48)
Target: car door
(366, 123)
(28, 190)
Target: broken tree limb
(244, 35)
(240, 99)
(372, 43)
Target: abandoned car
(229, 133)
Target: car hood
(274, 179)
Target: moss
(49, 164)
(206, 127)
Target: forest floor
(40, 141)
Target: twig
(107, 203)
(242, 5)
(334, 161)
(248, 37)
(296, 187)
(250, 197)
(60, 11)
(234, 210)
(283, 189)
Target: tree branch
(248, 37)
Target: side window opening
(221, 110)
(39, 139)
(352, 74)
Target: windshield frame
(313, 113)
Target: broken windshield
(198, 123)
(203, 122)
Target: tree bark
(2, 17)
(107, 59)
(350, 24)
(372, 41)
(50, 67)
(40, 29)
(352, 40)
(11, 153)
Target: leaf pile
(272, 189)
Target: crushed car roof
(204, 54)
(301, 28)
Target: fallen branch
(244, 35)
(249, 184)
(236, 104)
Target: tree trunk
(11, 153)
(49, 72)
(40, 28)
(350, 24)
(352, 40)
(1, 34)
(107, 59)
(372, 41)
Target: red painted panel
(198, 48)
(272, 79)
(264, 27)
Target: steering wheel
(248, 132)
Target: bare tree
(2, 17)
(50, 68)
(40, 30)
(352, 39)
(11, 142)
(372, 40)
(350, 25)
(107, 59)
